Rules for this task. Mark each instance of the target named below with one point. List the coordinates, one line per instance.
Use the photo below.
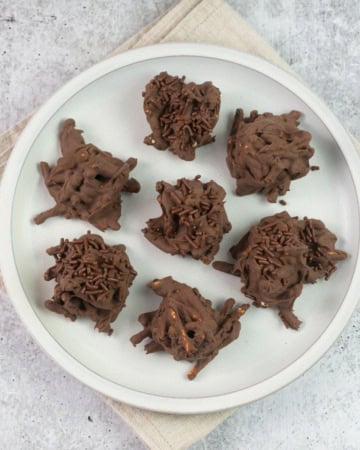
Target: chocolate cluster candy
(181, 115)
(267, 151)
(86, 182)
(193, 219)
(277, 256)
(186, 326)
(92, 280)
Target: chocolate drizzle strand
(266, 151)
(86, 182)
(181, 115)
(277, 256)
(186, 326)
(92, 280)
(193, 219)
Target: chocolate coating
(181, 115)
(186, 326)
(277, 256)
(86, 182)
(266, 151)
(92, 280)
(193, 219)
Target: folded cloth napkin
(213, 22)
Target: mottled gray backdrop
(45, 43)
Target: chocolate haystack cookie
(277, 256)
(92, 280)
(86, 182)
(186, 326)
(265, 152)
(181, 115)
(193, 221)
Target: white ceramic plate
(106, 102)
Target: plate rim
(44, 338)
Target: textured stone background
(45, 43)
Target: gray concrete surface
(43, 44)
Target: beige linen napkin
(209, 21)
